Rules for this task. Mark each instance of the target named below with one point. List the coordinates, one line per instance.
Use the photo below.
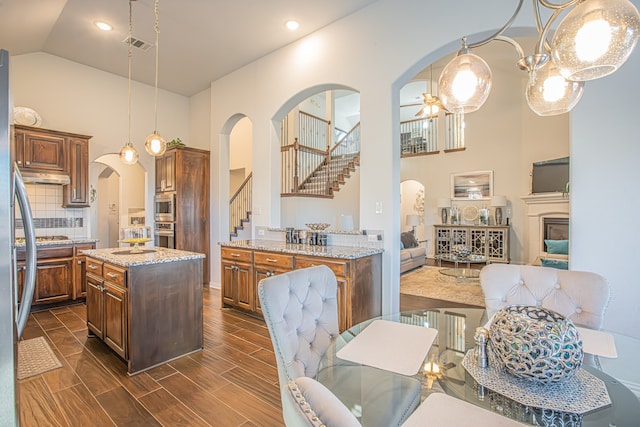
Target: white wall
(379, 49)
(241, 146)
(75, 98)
(605, 149)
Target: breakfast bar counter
(147, 307)
(358, 271)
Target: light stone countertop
(72, 241)
(152, 255)
(341, 252)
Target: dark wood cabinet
(60, 273)
(80, 270)
(359, 281)
(148, 314)
(107, 304)
(46, 150)
(39, 149)
(76, 194)
(166, 172)
(185, 172)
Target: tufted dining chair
(301, 311)
(578, 295)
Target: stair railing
(240, 204)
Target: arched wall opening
(119, 200)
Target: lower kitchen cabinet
(359, 280)
(148, 314)
(59, 274)
(107, 305)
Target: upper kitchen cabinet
(44, 150)
(39, 149)
(76, 194)
(166, 172)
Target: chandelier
(593, 40)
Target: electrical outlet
(260, 232)
(372, 237)
(378, 207)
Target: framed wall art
(472, 185)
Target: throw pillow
(408, 240)
(555, 263)
(401, 245)
(557, 247)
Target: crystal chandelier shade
(595, 38)
(549, 93)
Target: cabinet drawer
(115, 275)
(94, 267)
(339, 268)
(237, 254)
(271, 259)
(82, 247)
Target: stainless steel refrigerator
(13, 316)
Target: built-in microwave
(165, 207)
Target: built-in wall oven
(165, 235)
(165, 207)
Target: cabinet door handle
(80, 262)
(74, 193)
(235, 255)
(272, 260)
(93, 267)
(19, 162)
(112, 275)
(28, 163)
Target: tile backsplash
(50, 218)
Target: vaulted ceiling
(200, 40)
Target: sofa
(412, 254)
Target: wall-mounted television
(550, 176)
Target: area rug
(430, 283)
(35, 357)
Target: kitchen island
(147, 307)
(358, 271)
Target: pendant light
(595, 38)
(432, 104)
(128, 153)
(550, 94)
(465, 82)
(155, 143)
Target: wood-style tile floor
(232, 382)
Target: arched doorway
(240, 180)
(120, 198)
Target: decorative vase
(498, 215)
(536, 343)
(443, 215)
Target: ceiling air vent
(138, 44)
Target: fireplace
(555, 229)
(547, 218)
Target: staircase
(328, 177)
(242, 231)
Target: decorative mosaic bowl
(536, 343)
(462, 251)
(319, 226)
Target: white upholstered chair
(301, 311)
(578, 295)
(317, 406)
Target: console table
(491, 240)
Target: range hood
(45, 177)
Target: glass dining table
(443, 371)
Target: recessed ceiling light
(292, 25)
(103, 26)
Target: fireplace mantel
(539, 207)
(545, 198)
